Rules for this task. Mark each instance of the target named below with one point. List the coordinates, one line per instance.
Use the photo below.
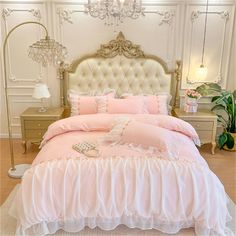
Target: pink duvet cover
(134, 186)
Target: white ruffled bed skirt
(8, 225)
(196, 200)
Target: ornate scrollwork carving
(166, 17)
(65, 15)
(120, 46)
(225, 15)
(195, 15)
(7, 12)
(36, 13)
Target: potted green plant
(225, 107)
(224, 104)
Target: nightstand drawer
(37, 124)
(205, 136)
(34, 133)
(202, 125)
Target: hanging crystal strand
(106, 13)
(47, 51)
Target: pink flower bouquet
(191, 98)
(191, 93)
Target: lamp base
(42, 109)
(19, 171)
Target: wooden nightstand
(34, 124)
(205, 123)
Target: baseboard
(5, 135)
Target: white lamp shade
(41, 91)
(201, 73)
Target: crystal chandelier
(47, 52)
(114, 11)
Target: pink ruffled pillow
(145, 135)
(83, 105)
(116, 106)
(155, 104)
(127, 131)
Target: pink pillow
(145, 135)
(83, 105)
(154, 104)
(116, 106)
(127, 131)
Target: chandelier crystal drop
(47, 52)
(114, 11)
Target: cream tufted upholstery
(135, 75)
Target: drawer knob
(39, 133)
(39, 124)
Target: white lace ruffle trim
(115, 134)
(77, 225)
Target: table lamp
(41, 92)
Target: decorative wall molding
(15, 119)
(65, 15)
(167, 17)
(6, 12)
(19, 96)
(35, 12)
(224, 15)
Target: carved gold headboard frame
(119, 47)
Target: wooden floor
(223, 164)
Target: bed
(148, 173)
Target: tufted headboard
(119, 65)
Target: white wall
(231, 82)
(171, 29)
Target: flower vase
(190, 104)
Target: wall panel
(218, 43)
(22, 72)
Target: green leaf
(222, 140)
(218, 107)
(234, 94)
(207, 89)
(225, 93)
(230, 141)
(215, 98)
(230, 101)
(221, 99)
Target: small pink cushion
(116, 106)
(83, 105)
(154, 104)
